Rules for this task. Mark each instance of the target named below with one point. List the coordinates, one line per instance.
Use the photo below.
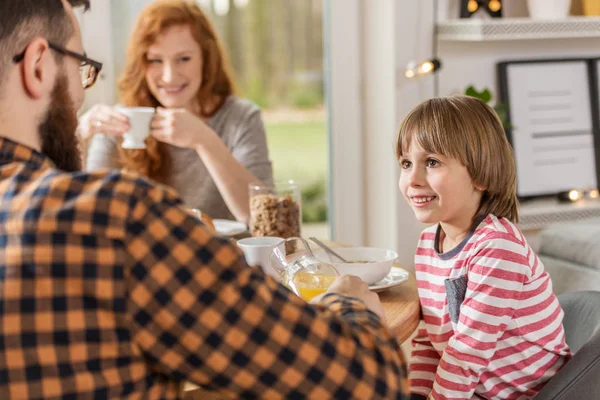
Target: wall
(97, 42)
(414, 27)
(343, 88)
(123, 16)
(475, 63)
(380, 125)
(105, 30)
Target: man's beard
(57, 131)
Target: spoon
(327, 249)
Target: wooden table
(402, 307)
(402, 311)
(401, 304)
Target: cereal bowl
(368, 263)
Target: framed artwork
(553, 130)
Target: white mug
(257, 251)
(139, 120)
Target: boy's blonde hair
(467, 129)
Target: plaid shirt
(110, 289)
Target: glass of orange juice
(300, 270)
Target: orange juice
(309, 285)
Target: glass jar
(275, 210)
(300, 270)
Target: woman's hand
(179, 127)
(102, 119)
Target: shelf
(475, 30)
(538, 214)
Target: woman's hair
(216, 84)
(468, 130)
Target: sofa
(571, 254)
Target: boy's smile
(422, 201)
(438, 188)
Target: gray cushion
(582, 317)
(570, 277)
(579, 378)
(577, 242)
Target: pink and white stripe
(508, 340)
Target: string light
(414, 69)
(495, 5)
(576, 195)
(472, 6)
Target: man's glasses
(89, 69)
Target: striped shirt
(491, 326)
(109, 289)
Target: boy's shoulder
(499, 238)
(494, 228)
(500, 243)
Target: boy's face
(438, 188)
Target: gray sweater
(239, 125)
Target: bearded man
(109, 288)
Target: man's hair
(22, 20)
(467, 129)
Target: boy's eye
(432, 162)
(405, 164)
(185, 59)
(154, 61)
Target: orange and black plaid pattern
(110, 289)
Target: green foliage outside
(276, 53)
(298, 150)
(306, 96)
(254, 90)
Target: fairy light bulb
(495, 5)
(472, 6)
(574, 195)
(411, 70)
(414, 69)
(425, 68)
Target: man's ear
(39, 68)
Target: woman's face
(174, 68)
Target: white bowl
(377, 262)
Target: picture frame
(553, 123)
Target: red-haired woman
(205, 142)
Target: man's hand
(353, 286)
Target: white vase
(549, 9)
